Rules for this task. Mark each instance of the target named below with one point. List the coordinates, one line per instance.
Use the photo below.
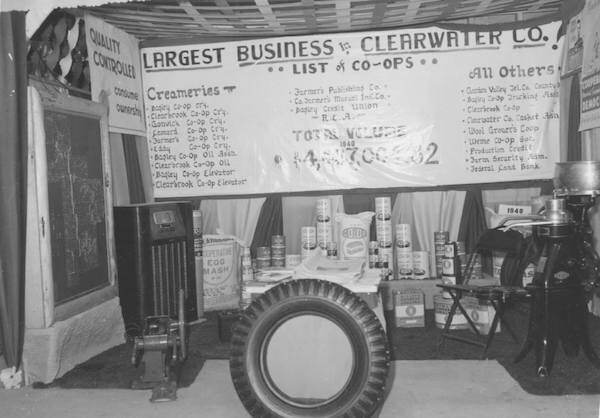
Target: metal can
(332, 251)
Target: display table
(367, 287)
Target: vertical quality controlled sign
(115, 70)
(409, 108)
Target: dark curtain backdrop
(573, 135)
(13, 182)
(270, 222)
(134, 171)
(473, 225)
(472, 222)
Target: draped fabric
(13, 183)
(210, 220)
(270, 222)
(573, 139)
(472, 223)
(428, 212)
(299, 211)
(237, 217)
(134, 173)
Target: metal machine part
(161, 347)
(577, 178)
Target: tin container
(440, 238)
(373, 253)
(383, 208)
(332, 250)
(404, 261)
(308, 237)
(324, 234)
(246, 261)
(277, 240)
(277, 249)
(263, 257)
(197, 232)
(383, 229)
(323, 210)
(403, 236)
(420, 265)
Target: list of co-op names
(502, 124)
(378, 109)
(190, 146)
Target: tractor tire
(363, 391)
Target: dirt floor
(432, 388)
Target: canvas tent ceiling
(218, 19)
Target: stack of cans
(383, 229)
(247, 276)
(308, 241)
(278, 251)
(404, 253)
(332, 250)
(461, 253)
(247, 271)
(451, 272)
(198, 242)
(440, 239)
(263, 257)
(373, 254)
(324, 224)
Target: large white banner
(590, 70)
(115, 71)
(412, 108)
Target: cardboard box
(481, 313)
(409, 308)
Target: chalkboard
(73, 201)
(76, 204)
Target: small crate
(409, 308)
(442, 308)
(481, 313)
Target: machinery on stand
(161, 349)
(157, 289)
(567, 267)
